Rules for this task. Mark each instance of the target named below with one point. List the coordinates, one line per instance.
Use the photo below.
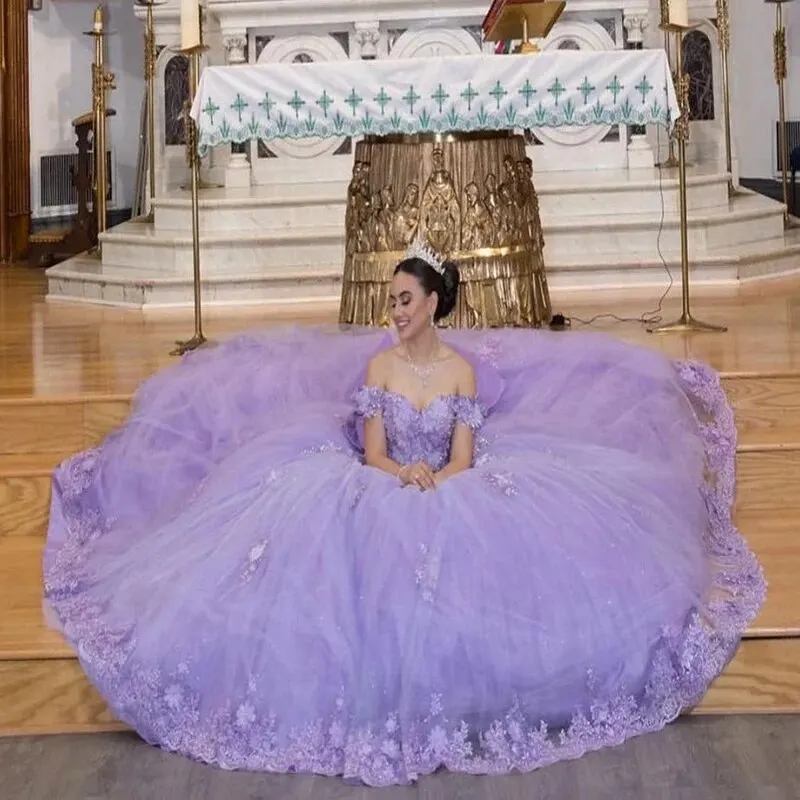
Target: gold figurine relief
(490, 225)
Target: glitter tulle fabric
(243, 590)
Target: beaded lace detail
(168, 708)
(415, 434)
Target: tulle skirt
(242, 589)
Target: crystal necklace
(425, 371)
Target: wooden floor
(66, 378)
(728, 758)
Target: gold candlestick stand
(202, 183)
(193, 160)
(150, 57)
(686, 322)
(779, 56)
(672, 160)
(102, 82)
(724, 34)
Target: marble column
(640, 153)
(237, 168)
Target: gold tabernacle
(471, 197)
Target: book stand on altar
(509, 20)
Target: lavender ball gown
(242, 589)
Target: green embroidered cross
(411, 98)
(527, 91)
(325, 102)
(644, 88)
(469, 94)
(239, 105)
(353, 100)
(296, 103)
(382, 99)
(556, 90)
(615, 87)
(586, 89)
(440, 97)
(266, 105)
(211, 109)
(498, 92)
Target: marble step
(85, 280)
(745, 220)
(152, 286)
(142, 247)
(259, 208)
(146, 249)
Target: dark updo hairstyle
(445, 285)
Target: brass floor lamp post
(672, 160)
(102, 82)
(779, 58)
(724, 35)
(686, 322)
(150, 58)
(194, 53)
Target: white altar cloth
(433, 95)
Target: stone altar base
(283, 244)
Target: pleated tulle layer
(243, 590)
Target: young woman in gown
(354, 554)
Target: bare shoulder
(378, 368)
(462, 372)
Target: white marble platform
(275, 245)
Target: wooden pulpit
(59, 243)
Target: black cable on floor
(647, 318)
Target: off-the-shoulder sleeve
(368, 402)
(469, 412)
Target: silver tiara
(419, 249)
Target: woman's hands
(419, 475)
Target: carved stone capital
(635, 26)
(235, 45)
(367, 37)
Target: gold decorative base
(471, 197)
(671, 163)
(687, 324)
(198, 340)
(149, 217)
